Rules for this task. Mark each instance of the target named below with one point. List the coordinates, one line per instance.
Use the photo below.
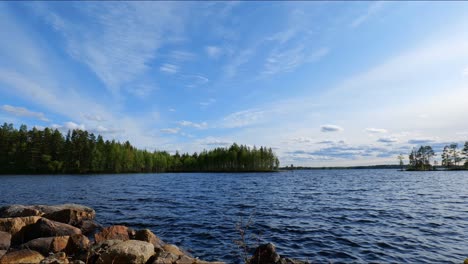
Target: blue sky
(323, 83)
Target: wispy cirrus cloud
(202, 125)
(174, 130)
(372, 9)
(243, 118)
(169, 68)
(118, 53)
(23, 112)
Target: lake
(316, 215)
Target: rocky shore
(68, 234)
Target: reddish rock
(18, 227)
(46, 245)
(112, 232)
(48, 228)
(24, 256)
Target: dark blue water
(321, 216)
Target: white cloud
(286, 60)
(376, 130)
(388, 140)
(372, 9)
(23, 112)
(465, 72)
(94, 117)
(243, 118)
(169, 68)
(172, 110)
(214, 142)
(301, 140)
(104, 130)
(213, 51)
(69, 126)
(417, 141)
(170, 130)
(330, 128)
(201, 125)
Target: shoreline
(68, 234)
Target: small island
(451, 158)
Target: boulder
(265, 254)
(21, 257)
(99, 248)
(48, 228)
(17, 210)
(5, 240)
(173, 249)
(81, 212)
(165, 258)
(18, 227)
(89, 227)
(2, 252)
(46, 245)
(148, 236)
(130, 251)
(58, 258)
(78, 247)
(72, 216)
(112, 232)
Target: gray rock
(17, 210)
(130, 251)
(5, 240)
(148, 236)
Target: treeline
(35, 151)
(451, 158)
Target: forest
(48, 151)
(451, 158)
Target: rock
(112, 232)
(89, 227)
(78, 247)
(148, 236)
(99, 248)
(58, 258)
(65, 213)
(165, 258)
(73, 215)
(17, 210)
(130, 251)
(2, 252)
(22, 256)
(17, 227)
(46, 245)
(48, 228)
(5, 240)
(169, 258)
(265, 254)
(173, 249)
